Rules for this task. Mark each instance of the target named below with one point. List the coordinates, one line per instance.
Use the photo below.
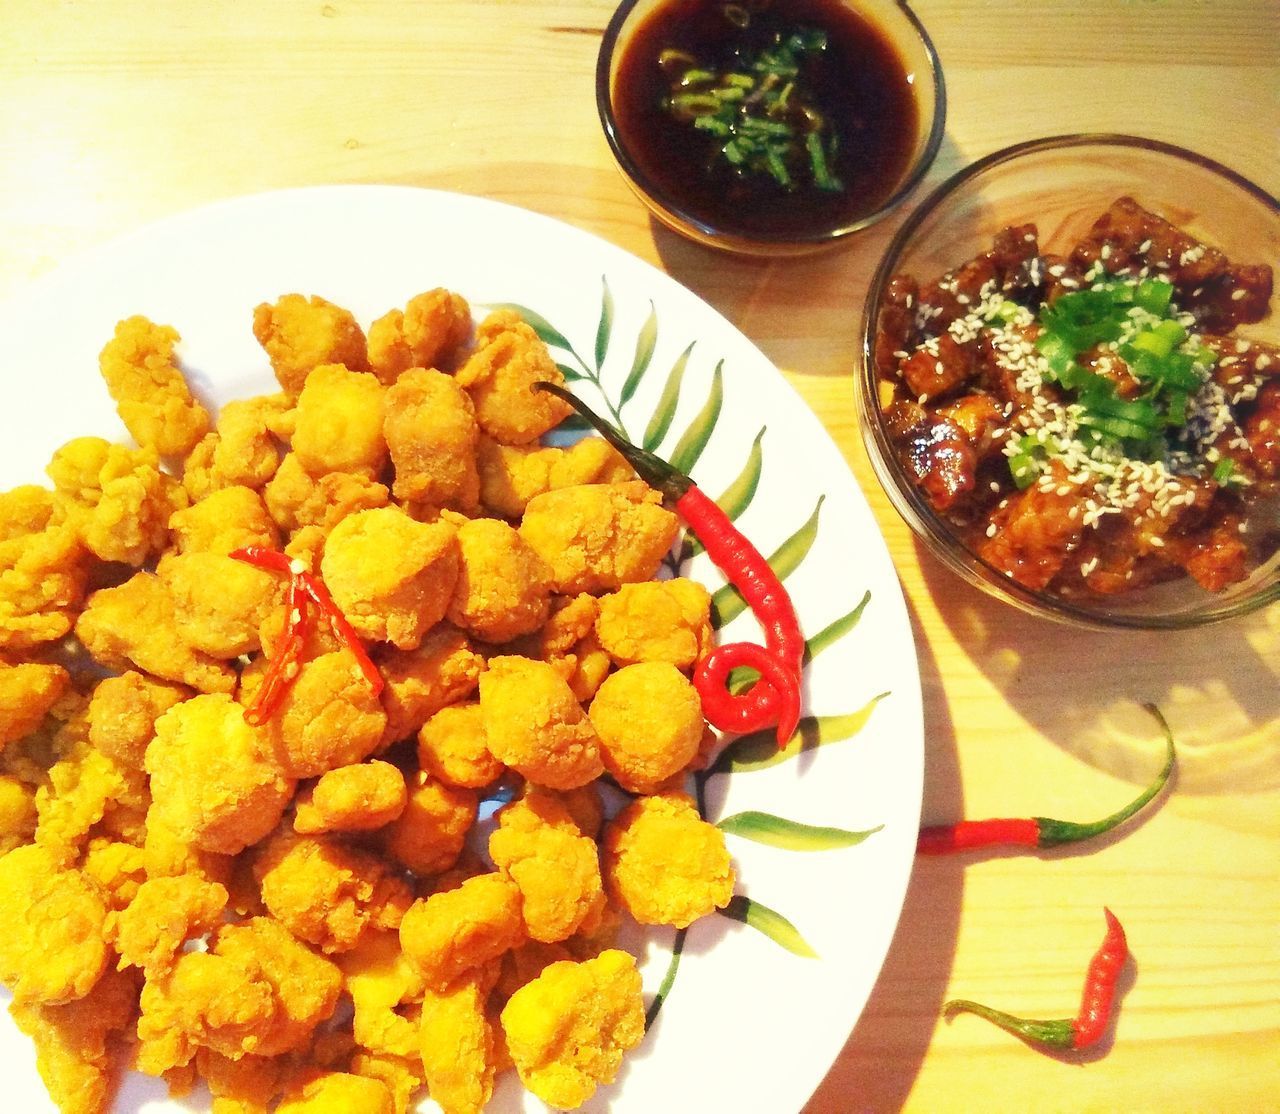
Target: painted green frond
(571, 374)
(646, 341)
(764, 827)
(835, 631)
(604, 329)
(665, 411)
(735, 498)
(727, 603)
(744, 677)
(664, 988)
(760, 750)
(689, 448)
(773, 924)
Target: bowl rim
(905, 496)
(711, 234)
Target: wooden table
(117, 112)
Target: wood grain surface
(116, 112)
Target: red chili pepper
(777, 694)
(1090, 1023)
(305, 588)
(1040, 831)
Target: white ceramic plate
(748, 1025)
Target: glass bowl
(682, 211)
(1062, 185)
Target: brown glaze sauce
(859, 82)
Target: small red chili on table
(775, 698)
(1090, 1023)
(1040, 831)
(305, 591)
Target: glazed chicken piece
(1035, 531)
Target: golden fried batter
(568, 1029)
(27, 691)
(361, 797)
(339, 423)
(511, 475)
(163, 915)
(151, 395)
(538, 845)
(509, 359)
(215, 779)
(452, 748)
(457, 1045)
(441, 671)
(649, 721)
(52, 949)
(392, 577)
(657, 620)
(123, 712)
(454, 931)
(431, 433)
(227, 519)
(299, 334)
(535, 725)
(428, 836)
(326, 892)
(503, 589)
(664, 864)
(427, 333)
(597, 537)
(337, 1092)
(219, 603)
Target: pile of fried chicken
(304, 912)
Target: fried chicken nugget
(503, 589)
(300, 333)
(509, 359)
(27, 691)
(657, 620)
(511, 475)
(362, 797)
(337, 1092)
(116, 497)
(569, 1028)
(597, 537)
(163, 915)
(80, 789)
(452, 747)
(380, 978)
(648, 717)
(245, 449)
(43, 570)
(215, 779)
(664, 864)
(443, 670)
(535, 725)
(326, 892)
(74, 1041)
(219, 603)
(52, 949)
(151, 394)
(457, 1044)
(454, 931)
(133, 624)
(538, 845)
(429, 835)
(392, 577)
(297, 499)
(431, 431)
(427, 333)
(244, 1086)
(339, 423)
(224, 520)
(123, 711)
(256, 991)
(17, 813)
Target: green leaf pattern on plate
(759, 750)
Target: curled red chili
(1040, 831)
(775, 698)
(1090, 1023)
(305, 591)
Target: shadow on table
(1218, 687)
(878, 1065)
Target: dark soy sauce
(859, 83)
